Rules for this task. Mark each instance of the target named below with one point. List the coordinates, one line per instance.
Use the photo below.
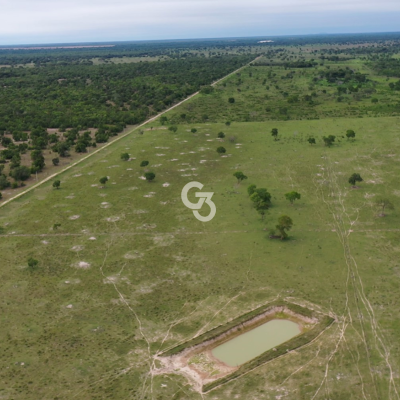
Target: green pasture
(125, 276)
(265, 93)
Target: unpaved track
(117, 139)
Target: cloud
(26, 21)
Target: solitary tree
(55, 161)
(240, 176)
(261, 199)
(149, 176)
(32, 264)
(350, 134)
(56, 184)
(193, 130)
(328, 140)
(173, 128)
(103, 180)
(221, 150)
(144, 163)
(228, 123)
(292, 196)
(311, 140)
(285, 223)
(274, 133)
(221, 135)
(382, 204)
(231, 100)
(355, 178)
(124, 156)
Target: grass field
(130, 272)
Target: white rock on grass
(92, 238)
(113, 219)
(77, 248)
(81, 265)
(74, 217)
(166, 184)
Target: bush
(21, 173)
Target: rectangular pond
(251, 344)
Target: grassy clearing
(157, 276)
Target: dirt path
(117, 139)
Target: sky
(72, 21)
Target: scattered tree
(173, 128)
(311, 140)
(149, 176)
(32, 264)
(285, 223)
(231, 100)
(193, 130)
(144, 163)
(329, 140)
(274, 133)
(261, 199)
(221, 150)
(55, 161)
(124, 156)
(56, 184)
(21, 173)
(103, 180)
(163, 119)
(221, 135)
(355, 178)
(251, 189)
(350, 134)
(240, 176)
(292, 196)
(382, 204)
(228, 123)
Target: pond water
(251, 344)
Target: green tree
(21, 173)
(383, 204)
(274, 133)
(103, 180)
(32, 264)
(329, 140)
(251, 189)
(80, 147)
(144, 163)
(231, 100)
(163, 119)
(55, 161)
(1, 196)
(124, 156)
(193, 130)
(311, 140)
(350, 134)
(292, 196)
(355, 178)
(149, 176)
(37, 160)
(221, 135)
(173, 128)
(56, 184)
(285, 223)
(240, 176)
(228, 123)
(221, 150)
(261, 199)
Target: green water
(253, 343)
